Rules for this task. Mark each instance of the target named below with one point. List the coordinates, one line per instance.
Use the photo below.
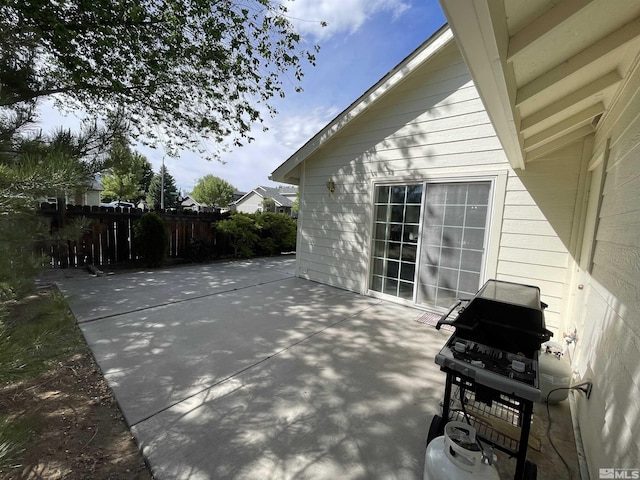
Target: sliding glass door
(429, 240)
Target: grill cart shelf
(491, 363)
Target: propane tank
(457, 456)
(554, 371)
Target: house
(253, 201)
(189, 203)
(89, 195)
(237, 195)
(506, 146)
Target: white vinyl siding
(250, 204)
(609, 328)
(432, 126)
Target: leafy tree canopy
(126, 177)
(242, 231)
(268, 205)
(192, 69)
(213, 191)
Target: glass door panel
(453, 241)
(397, 213)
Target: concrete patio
(241, 370)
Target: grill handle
(443, 319)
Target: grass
(15, 434)
(36, 334)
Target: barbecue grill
(492, 362)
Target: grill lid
(504, 315)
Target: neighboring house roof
(287, 171)
(549, 73)
(276, 194)
(288, 191)
(191, 202)
(96, 185)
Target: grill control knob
(460, 347)
(518, 366)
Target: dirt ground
(80, 432)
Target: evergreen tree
(154, 196)
(31, 169)
(145, 179)
(34, 167)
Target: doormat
(429, 318)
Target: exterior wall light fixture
(331, 185)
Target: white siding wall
(537, 229)
(250, 204)
(433, 125)
(609, 330)
(92, 198)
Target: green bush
(151, 239)
(199, 249)
(241, 230)
(258, 234)
(277, 233)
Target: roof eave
(482, 37)
(424, 52)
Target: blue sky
(364, 39)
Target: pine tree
(154, 197)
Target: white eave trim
(246, 195)
(476, 28)
(423, 53)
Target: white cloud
(248, 166)
(295, 129)
(342, 16)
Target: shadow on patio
(352, 401)
(253, 373)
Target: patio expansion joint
(182, 300)
(259, 362)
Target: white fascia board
(419, 56)
(474, 26)
(254, 191)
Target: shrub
(199, 249)
(277, 233)
(151, 239)
(241, 230)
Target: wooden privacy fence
(110, 238)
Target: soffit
(562, 63)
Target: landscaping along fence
(109, 240)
